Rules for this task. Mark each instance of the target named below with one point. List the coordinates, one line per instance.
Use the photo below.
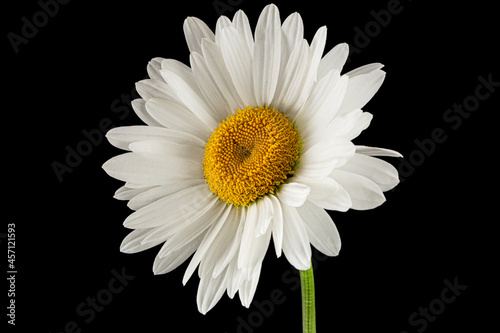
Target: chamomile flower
(251, 142)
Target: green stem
(308, 307)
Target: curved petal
(125, 135)
(317, 48)
(153, 68)
(163, 265)
(365, 69)
(232, 238)
(277, 225)
(207, 242)
(190, 98)
(320, 159)
(173, 211)
(248, 288)
(127, 193)
(210, 292)
(361, 89)
(252, 248)
(364, 193)
(195, 31)
(292, 35)
(374, 151)
(378, 171)
(222, 23)
(328, 194)
(321, 230)
(291, 85)
(321, 106)
(149, 88)
(296, 245)
(241, 23)
(238, 60)
(147, 197)
(139, 107)
(209, 87)
(176, 116)
(293, 194)
(191, 231)
(151, 170)
(132, 243)
(333, 60)
(349, 125)
(267, 54)
(215, 62)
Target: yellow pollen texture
(250, 154)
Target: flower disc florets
(250, 154)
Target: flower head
(253, 141)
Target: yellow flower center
(250, 154)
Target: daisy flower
(251, 142)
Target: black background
(439, 224)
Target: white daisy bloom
(251, 142)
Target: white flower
(252, 141)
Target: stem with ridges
(308, 306)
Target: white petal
(277, 225)
(296, 245)
(241, 23)
(190, 98)
(252, 248)
(266, 213)
(267, 54)
(365, 69)
(127, 193)
(292, 35)
(328, 194)
(176, 116)
(153, 88)
(150, 170)
(374, 151)
(210, 292)
(169, 150)
(248, 288)
(232, 235)
(184, 72)
(139, 106)
(154, 67)
(235, 276)
(222, 22)
(191, 231)
(317, 48)
(209, 87)
(172, 211)
(364, 193)
(321, 230)
(349, 125)
(132, 243)
(320, 159)
(215, 63)
(322, 105)
(293, 194)
(195, 31)
(380, 172)
(291, 89)
(221, 244)
(127, 134)
(163, 265)
(206, 243)
(238, 60)
(158, 192)
(361, 89)
(333, 60)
